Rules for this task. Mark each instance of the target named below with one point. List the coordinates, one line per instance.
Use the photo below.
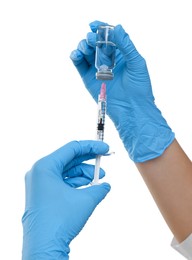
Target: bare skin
(169, 179)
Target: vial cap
(106, 75)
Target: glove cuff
(48, 254)
(44, 245)
(148, 137)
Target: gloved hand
(130, 101)
(56, 210)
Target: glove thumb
(98, 192)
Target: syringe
(100, 128)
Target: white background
(44, 104)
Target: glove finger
(88, 51)
(95, 24)
(77, 182)
(125, 45)
(91, 39)
(79, 159)
(83, 57)
(80, 181)
(69, 153)
(79, 62)
(83, 170)
(98, 192)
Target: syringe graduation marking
(100, 128)
(101, 112)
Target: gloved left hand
(56, 210)
(130, 102)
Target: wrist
(43, 256)
(48, 252)
(39, 242)
(145, 132)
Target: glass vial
(105, 52)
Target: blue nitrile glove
(56, 210)
(130, 102)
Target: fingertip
(76, 56)
(100, 190)
(122, 40)
(106, 186)
(101, 173)
(91, 39)
(95, 24)
(107, 147)
(102, 147)
(85, 48)
(119, 27)
(120, 32)
(93, 147)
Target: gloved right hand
(130, 101)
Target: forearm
(169, 179)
